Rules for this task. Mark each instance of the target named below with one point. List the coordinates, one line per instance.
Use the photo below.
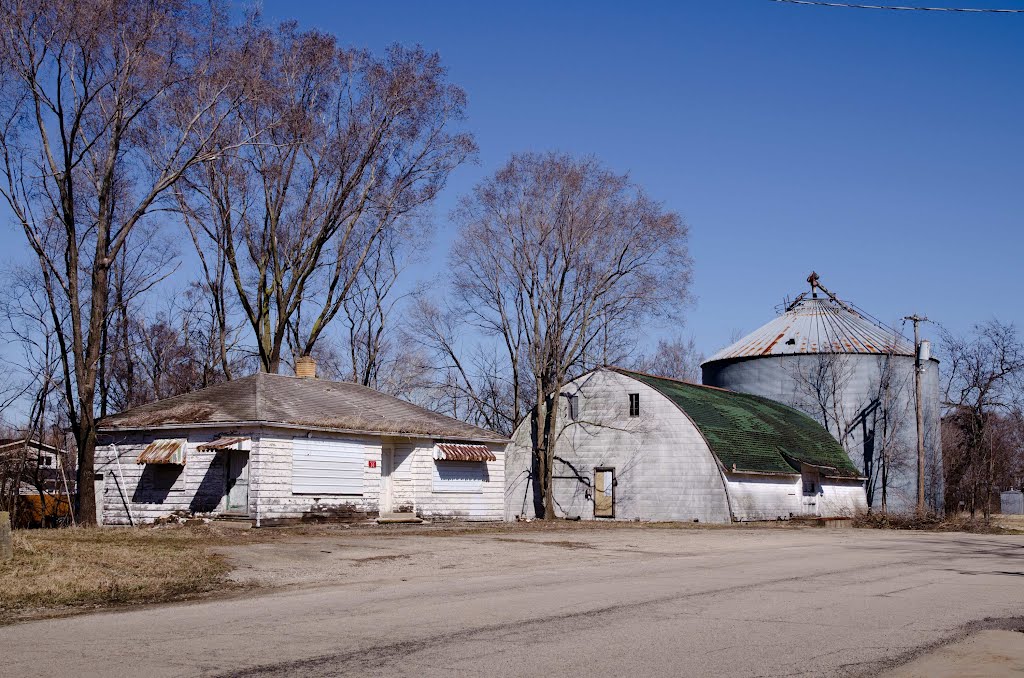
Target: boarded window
(811, 479)
(325, 466)
(634, 404)
(459, 476)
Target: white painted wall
(199, 488)
(272, 496)
(775, 497)
(664, 469)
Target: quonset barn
(824, 356)
(635, 446)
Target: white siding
(198, 490)
(760, 497)
(765, 497)
(841, 498)
(663, 468)
(271, 497)
(327, 466)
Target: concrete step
(389, 518)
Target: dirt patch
(379, 559)
(571, 545)
(984, 654)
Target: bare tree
(347, 147)
(888, 413)
(105, 104)
(870, 428)
(381, 354)
(822, 380)
(555, 255)
(677, 358)
(984, 387)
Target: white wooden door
(387, 470)
(238, 482)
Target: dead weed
(70, 568)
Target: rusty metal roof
(223, 444)
(166, 451)
(454, 452)
(272, 399)
(818, 325)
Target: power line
(902, 8)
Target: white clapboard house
(638, 447)
(275, 449)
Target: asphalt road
(617, 602)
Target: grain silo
(854, 375)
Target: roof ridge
(257, 398)
(624, 370)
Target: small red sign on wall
(372, 463)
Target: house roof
(272, 399)
(751, 433)
(7, 444)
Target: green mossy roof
(750, 432)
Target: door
(604, 493)
(238, 482)
(811, 481)
(387, 468)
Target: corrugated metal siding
(777, 377)
(327, 466)
(459, 476)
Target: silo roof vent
(818, 323)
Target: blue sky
(883, 149)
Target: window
(327, 466)
(573, 406)
(810, 478)
(459, 476)
(634, 404)
(163, 476)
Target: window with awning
(164, 451)
(240, 443)
(459, 452)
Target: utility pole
(916, 319)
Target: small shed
(272, 449)
(638, 446)
(1012, 502)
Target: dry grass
(933, 523)
(55, 571)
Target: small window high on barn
(573, 407)
(634, 404)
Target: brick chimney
(305, 367)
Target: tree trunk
(86, 440)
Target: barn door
(238, 482)
(604, 493)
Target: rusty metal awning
(235, 443)
(165, 451)
(454, 452)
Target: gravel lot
(624, 600)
